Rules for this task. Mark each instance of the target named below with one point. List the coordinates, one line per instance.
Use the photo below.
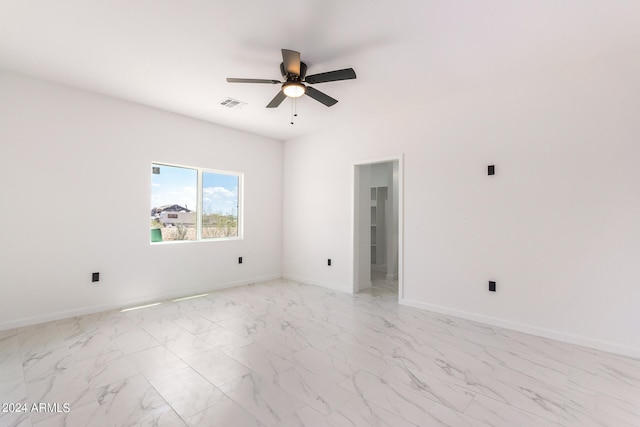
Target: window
(190, 203)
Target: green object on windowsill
(156, 235)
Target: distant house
(168, 208)
(173, 215)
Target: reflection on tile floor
(281, 353)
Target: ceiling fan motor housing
(292, 77)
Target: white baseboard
(533, 330)
(34, 320)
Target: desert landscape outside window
(191, 203)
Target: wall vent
(232, 103)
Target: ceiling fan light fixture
(294, 89)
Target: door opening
(377, 226)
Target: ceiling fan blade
(331, 76)
(277, 100)
(291, 61)
(232, 80)
(320, 96)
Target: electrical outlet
(239, 260)
(491, 170)
(492, 286)
(95, 277)
(329, 262)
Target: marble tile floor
(281, 353)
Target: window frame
(199, 205)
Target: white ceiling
(175, 55)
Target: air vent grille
(232, 103)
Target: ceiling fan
(294, 74)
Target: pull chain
(294, 109)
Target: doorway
(377, 226)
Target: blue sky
(219, 193)
(179, 185)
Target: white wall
(75, 193)
(557, 227)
